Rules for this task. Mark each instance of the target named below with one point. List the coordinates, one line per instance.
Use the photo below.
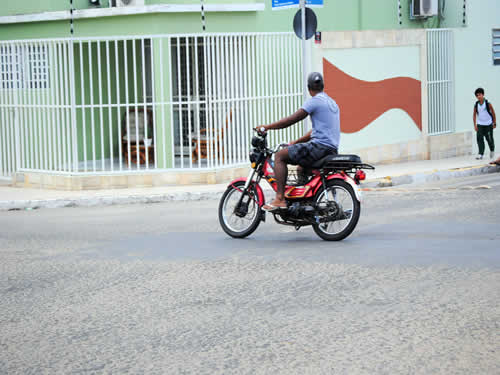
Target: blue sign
(314, 3)
(284, 4)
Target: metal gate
(127, 104)
(440, 73)
(8, 118)
(37, 117)
(8, 149)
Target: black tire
(255, 211)
(334, 185)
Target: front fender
(260, 192)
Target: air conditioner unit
(423, 8)
(129, 3)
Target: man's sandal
(271, 208)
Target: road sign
(285, 4)
(311, 23)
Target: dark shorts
(307, 153)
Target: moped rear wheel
(342, 210)
(239, 221)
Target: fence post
(72, 89)
(15, 91)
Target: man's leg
(489, 138)
(281, 160)
(480, 139)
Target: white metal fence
(440, 80)
(127, 104)
(37, 107)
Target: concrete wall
(375, 56)
(474, 65)
(378, 79)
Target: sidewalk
(12, 198)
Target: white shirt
(483, 117)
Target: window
(38, 77)
(496, 46)
(24, 67)
(10, 68)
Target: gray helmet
(315, 82)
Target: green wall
(117, 94)
(14, 7)
(453, 13)
(334, 16)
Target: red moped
(330, 201)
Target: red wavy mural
(361, 102)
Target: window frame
(24, 67)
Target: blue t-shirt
(325, 117)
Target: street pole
(304, 72)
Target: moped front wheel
(238, 217)
(340, 208)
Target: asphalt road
(161, 289)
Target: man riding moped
(322, 140)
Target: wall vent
(496, 46)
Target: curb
(105, 201)
(436, 175)
(376, 184)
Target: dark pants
(484, 131)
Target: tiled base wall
(432, 147)
(60, 182)
(451, 145)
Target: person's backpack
(487, 107)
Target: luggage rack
(347, 166)
(292, 178)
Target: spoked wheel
(341, 211)
(239, 219)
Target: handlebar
(280, 146)
(263, 133)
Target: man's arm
(493, 115)
(287, 121)
(303, 139)
(474, 119)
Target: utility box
(423, 8)
(127, 3)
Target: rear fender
(350, 181)
(346, 178)
(260, 193)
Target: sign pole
(303, 14)
(304, 70)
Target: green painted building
(158, 86)
(50, 19)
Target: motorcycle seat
(336, 161)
